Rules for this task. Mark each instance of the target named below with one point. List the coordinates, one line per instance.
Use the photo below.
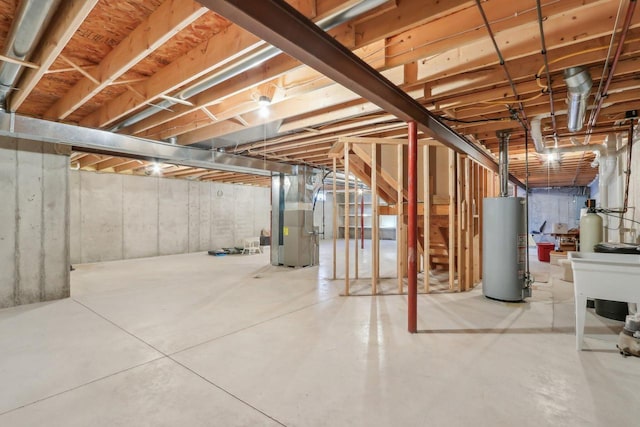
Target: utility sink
(607, 276)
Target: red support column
(412, 232)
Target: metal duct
(579, 84)
(245, 64)
(100, 141)
(32, 17)
(503, 163)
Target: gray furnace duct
(294, 238)
(504, 240)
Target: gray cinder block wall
(34, 222)
(122, 216)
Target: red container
(544, 251)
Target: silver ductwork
(30, 21)
(579, 84)
(503, 162)
(246, 63)
(100, 141)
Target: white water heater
(504, 249)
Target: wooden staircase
(360, 164)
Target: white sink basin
(607, 276)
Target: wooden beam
(70, 15)
(110, 163)
(165, 22)
(408, 14)
(91, 160)
(199, 61)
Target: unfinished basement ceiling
(123, 57)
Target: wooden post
(400, 220)
(335, 217)
(346, 218)
(374, 220)
(356, 228)
(483, 194)
(452, 219)
(461, 221)
(412, 225)
(468, 256)
(426, 217)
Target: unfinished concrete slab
(245, 343)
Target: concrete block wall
(34, 223)
(122, 216)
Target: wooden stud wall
(468, 184)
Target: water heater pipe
(503, 162)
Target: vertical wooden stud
(452, 219)
(400, 220)
(356, 227)
(468, 189)
(374, 220)
(426, 217)
(335, 216)
(347, 200)
(460, 221)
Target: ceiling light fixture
(264, 101)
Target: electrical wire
(502, 61)
(607, 212)
(499, 119)
(599, 94)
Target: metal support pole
(413, 228)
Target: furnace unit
(294, 240)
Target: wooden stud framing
(356, 227)
(426, 217)
(335, 216)
(400, 262)
(346, 219)
(468, 248)
(483, 194)
(375, 248)
(460, 223)
(452, 219)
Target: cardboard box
(554, 257)
(560, 228)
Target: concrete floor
(228, 341)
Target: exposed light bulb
(264, 101)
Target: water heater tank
(504, 249)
